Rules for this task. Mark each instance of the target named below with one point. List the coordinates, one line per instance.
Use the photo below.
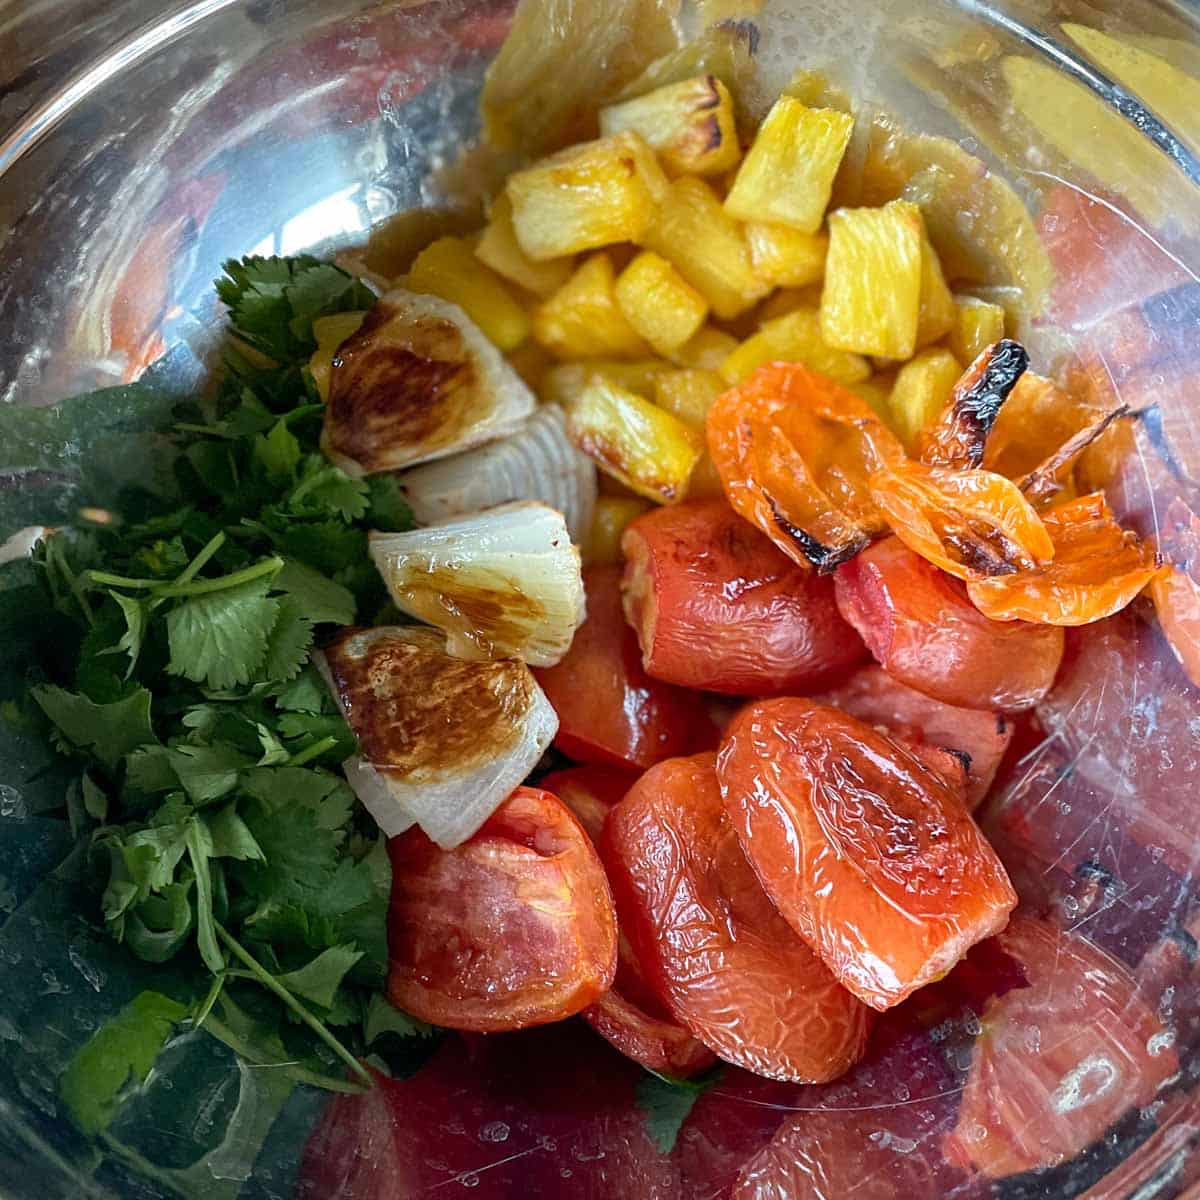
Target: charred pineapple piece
(690, 125)
(448, 268)
(586, 196)
(785, 257)
(936, 311)
(977, 325)
(872, 294)
(706, 246)
(688, 393)
(612, 513)
(659, 303)
(561, 384)
(418, 381)
(499, 249)
(921, 392)
(787, 174)
(583, 319)
(794, 337)
(707, 349)
(330, 332)
(636, 442)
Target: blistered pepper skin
(870, 856)
(725, 963)
(921, 627)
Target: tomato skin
(873, 696)
(869, 855)
(1059, 1060)
(609, 710)
(723, 960)
(716, 606)
(513, 928)
(921, 627)
(589, 792)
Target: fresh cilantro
(383, 1017)
(388, 510)
(318, 597)
(108, 731)
(325, 490)
(320, 979)
(666, 1102)
(278, 451)
(231, 838)
(288, 643)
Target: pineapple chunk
(705, 482)
(561, 384)
(637, 443)
(794, 337)
(583, 319)
(330, 333)
(706, 246)
(787, 174)
(688, 393)
(707, 350)
(689, 124)
(877, 392)
(586, 196)
(449, 269)
(787, 300)
(785, 257)
(935, 314)
(872, 287)
(922, 390)
(659, 303)
(977, 324)
(602, 544)
(499, 249)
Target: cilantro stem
(196, 565)
(268, 566)
(106, 580)
(310, 752)
(206, 1006)
(263, 976)
(54, 554)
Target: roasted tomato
(1176, 588)
(957, 438)
(1097, 569)
(629, 1015)
(1058, 1060)
(515, 927)
(609, 710)
(716, 606)
(919, 624)
(1037, 418)
(973, 524)
(794, 451)
(870, 856)
(873, 696)
(724, 961)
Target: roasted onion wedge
(538, 462)
(443, 742)
(505, 583)
(418, 381)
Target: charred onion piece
(1048, 479)
(958, 436)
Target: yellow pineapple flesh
(936, 311)
(602, 543)
(330, 332)
(659, 303)
(794, 337)
(499, 249)
(707, 349)
(977, 324)
(562, 383)
(688, 393)
(922, 390)
(785, 257)
(583, 319)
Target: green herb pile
(176, 613)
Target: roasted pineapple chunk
(794, 337)
(877, 392)
(706, 246)
(636, 442)
(689, 124)
(602, 544)
(785, 257)
(449, 269)
(872, 290)
(561, 384)
(330, 333)
(583, 319)
(659, 303)
(787, 300)
(787, 174)
(935, 314)
(708, 349)
(977, 324)
(586, 196)
(921, 391)
(499, 249)
(688, 393)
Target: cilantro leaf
(324, 489)
(230, 836)
(278, 451)
(288, 643)
(667, 1101)
(320, 598)
(158, 928)
(106, 731)
(383, 1017)
(200, 849)
(136, 616)
(388, 510)
(326, 546)
(221, 638)
(320, 979)
(306, 693)
(206, 773)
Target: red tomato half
(609, 710)
(590, 793)
(716, 606)
(513, 928)
(1058, 1061)
(724, 961)
(867, 853)
(919, 624)
(872, 695)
